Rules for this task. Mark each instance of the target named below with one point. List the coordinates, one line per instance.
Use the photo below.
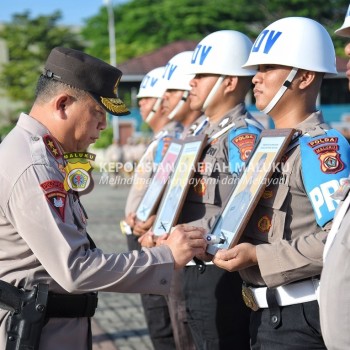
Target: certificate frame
(155, 190)
(230, 224)
(175, 193)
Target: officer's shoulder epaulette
(52, 146)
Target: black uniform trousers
(298, 328)
(216, 313)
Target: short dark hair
(47, 88)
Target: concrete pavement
(119, 321)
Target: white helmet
(176, 71)
(297, 42)
(222, 52)
(344, 30)
(153, 84)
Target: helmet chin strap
(281, 91)
(154, 110)
(213, 92)
(176, 109)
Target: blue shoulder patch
(241, 142)
(325, 159)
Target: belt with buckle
(289, 294)
(248, 297)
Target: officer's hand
(237, 258)
(161, 239)
(141, 227)
(131, 219)
(147, 240)
(185, 242)
(205, 257)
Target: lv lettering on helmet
(169, 70)
(321, 197)
(200, 53)
(269, 37)
(148, 81)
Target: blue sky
(73, 11)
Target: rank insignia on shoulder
(224, 122)
(52, 146)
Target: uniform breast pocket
(268, 219)
(202, 190)
(79, 216)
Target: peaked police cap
(87, 73)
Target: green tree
(142, 26)
(29, 41)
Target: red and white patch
(57, 201)
(245, 143)
(327, 150)
(52, 185)
(56, 195)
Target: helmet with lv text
(176, 77)
(297, 42)
(153, 84)
(222, 52)
(175, 72)
(344, 30)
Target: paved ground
(119, 321)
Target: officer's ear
(230, 83)
(61, 103)
(306, 78)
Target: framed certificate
(151, 198)
(268, 152)
(177, 188)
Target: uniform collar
(233, 114)
(30, 124)
(313, 120)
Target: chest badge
(264, 224)
(78, 172)
(200, 187)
